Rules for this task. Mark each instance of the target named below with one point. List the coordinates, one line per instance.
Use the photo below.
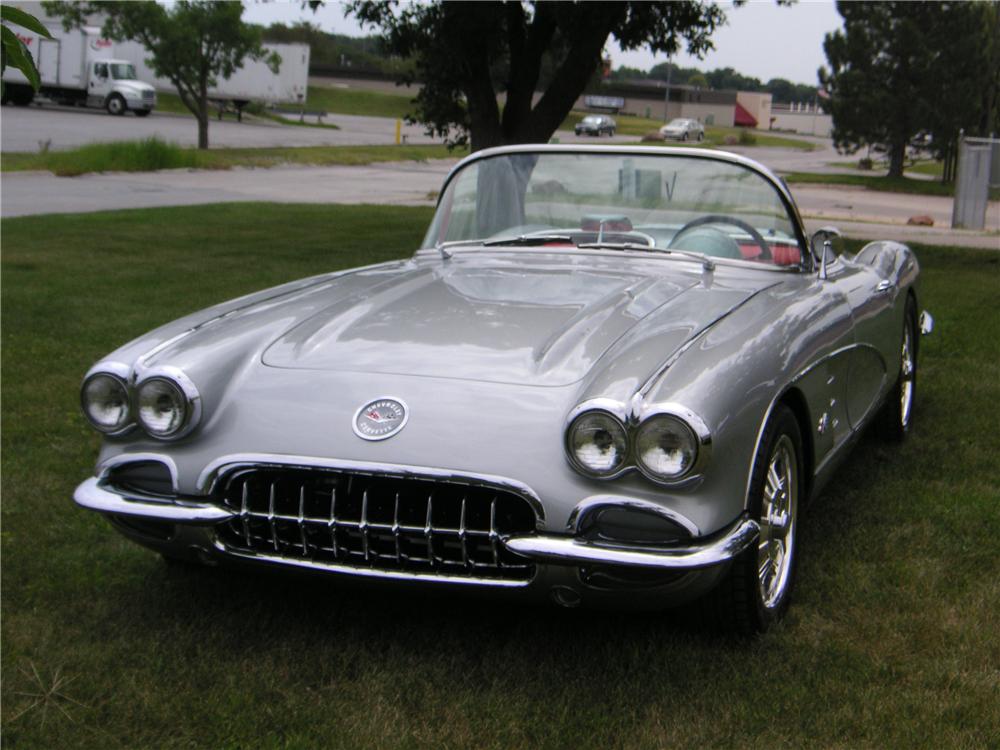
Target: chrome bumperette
(926, 323)
(566, 550)
(92, 495)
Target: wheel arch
(795, 400)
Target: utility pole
(666, 94)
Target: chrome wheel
(779, 507)
(907, 370)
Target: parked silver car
(596, 125)
(683, 129)
(607, 376)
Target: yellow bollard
(399, 130)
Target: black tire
(745, 601)
(684, 137)
(895, 419)
(21, 96)
(116, 105)
(142, 113)
(701, 137)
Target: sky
(761, 39)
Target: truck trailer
(79, 67)
(253, 82)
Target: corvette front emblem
(380, 419)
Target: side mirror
(822, 247)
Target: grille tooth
(376, 522)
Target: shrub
(747, 138)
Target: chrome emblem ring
(380, 419)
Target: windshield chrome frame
(808, 260)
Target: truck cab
(113, 84)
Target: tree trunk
(203, 127)
(897, 151)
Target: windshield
(122, 71)
(677, 124)
(694, 204)
(591, 120)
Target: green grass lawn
(890, 642)
(358, 102)
(152, 154)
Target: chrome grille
(376, 522)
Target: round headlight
(162, 406)
(105, 402)
(597, 443)
(665, 447)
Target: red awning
(744, 118)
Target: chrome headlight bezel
(117, 375)
(633, 423)
(187, 398)
(615, 422)
(666, 423)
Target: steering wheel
(733, 221)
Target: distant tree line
(782, 90)
(366, 54)
(369, 55)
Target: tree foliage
(13, 51)
(193, 43)
(466, 54)
(901, 68)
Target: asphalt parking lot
(39, 127)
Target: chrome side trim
(106, 467)
(566, 550)
(92, 496)
(591, 504)
(211, 473)
(926, 324)
(392, 575)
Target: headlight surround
(597, 443)
(666, 448)
(162, 407)
(105, 401)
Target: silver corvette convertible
(608, 376)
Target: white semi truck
(253, 82)
(80, 67)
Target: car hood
(533, 323)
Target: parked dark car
(596, 125)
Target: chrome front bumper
(540, 548)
